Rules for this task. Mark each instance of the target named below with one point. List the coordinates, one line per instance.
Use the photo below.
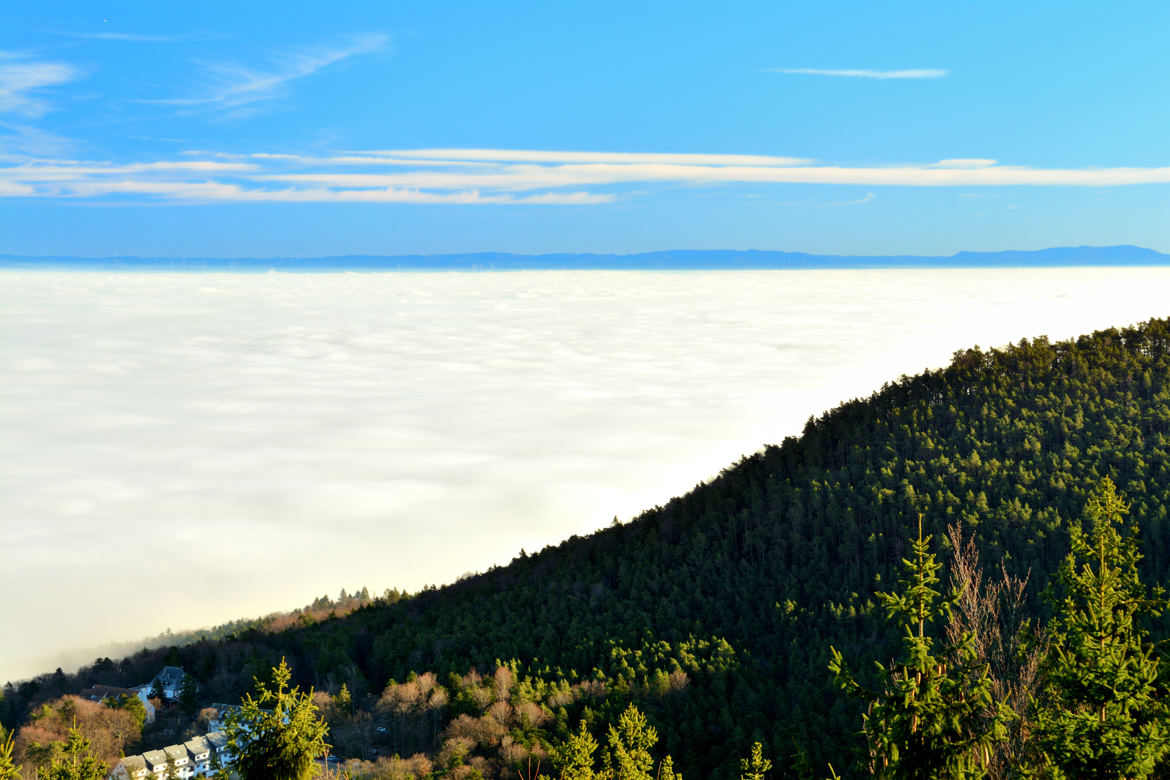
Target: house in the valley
(219, 745)
(180, 761)
(170, 682)
(200, 751)
(156, 762)
(192, 759)
(102, 692)
(218, 721)
(130, 768)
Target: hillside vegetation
(715, 612)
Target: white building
(192, 759)
(170, 680)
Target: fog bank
(178, 450)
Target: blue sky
(260, 128)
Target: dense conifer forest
(715, 613)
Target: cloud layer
(281, 436)
(499, 176)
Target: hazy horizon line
(669, 259)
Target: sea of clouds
(178, 450)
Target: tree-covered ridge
(742, 584)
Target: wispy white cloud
(620, 158)
(126, 37)
(361, 158)
(20, 141)
(481, 176)
(833, 204)
(526, 176)
(231, 84)
(57, 170)
(213, 191)
(15, 189)
(966, 162)
(862, 73)
(868, 197)
(23, 81)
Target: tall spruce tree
(9, 769)
(1102, 713)
(574, 759)
(276, 735)
(756, 766)
(76, 763)
(627, 757)
(189, 696)
(630, 743)
(930, 716)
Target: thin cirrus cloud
(864, 73)
(22, 141)
(868, 197)
(966, 162)
(23, 83)
(500, 176)
(835, 204)
(126, 37)
(231, 84)
(541, 156)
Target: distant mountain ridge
(690, 259)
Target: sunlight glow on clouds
(493, 176)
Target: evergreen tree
(9, 769)
(76, 763)
(628, 755)
(629, 745)
(189, 695)
(343, 701)
(1102, 713)
(277, 734)
(156, 690)
(574, 759)
(929, 717)
(132, 704)
(755, 767)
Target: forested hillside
(715, 612)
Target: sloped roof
(99, 692)
(155, 758)
(197, 746)
(133, 763)
(170, 676)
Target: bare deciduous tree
(993, 611)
